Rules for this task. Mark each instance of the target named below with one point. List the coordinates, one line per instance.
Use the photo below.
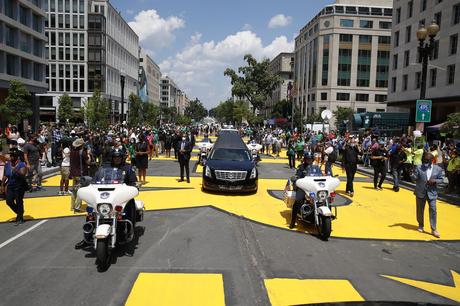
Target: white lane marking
(22, 233)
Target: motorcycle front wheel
(102, 253)
(324, 227)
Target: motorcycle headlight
(208, 171)
(104, 209)
(253, 173)
(322, 195)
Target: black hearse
(230, 166)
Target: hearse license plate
(230, 187)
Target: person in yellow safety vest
(418, 153)
(407, 167)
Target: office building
(22, 45)
(342, 57)
(283, 66)
(152, 75)
(169, 94)
(443, 77)
(90, 46)
(182, 102)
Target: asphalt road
(41, 267)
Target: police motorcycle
(254, 148)
(112, 212)
(315, 194)
(204, 147)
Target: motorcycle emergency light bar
(333, 194)
(312, 194)
(118, 208)
(89, 209)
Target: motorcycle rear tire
(102, 253)
(324, 227)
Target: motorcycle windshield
(314, 171)
(109, 176)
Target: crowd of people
(79, 151)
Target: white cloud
(200, 66)
(279, 21)
(247, 27)
(154, 31)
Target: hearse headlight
(253, 173)
(208, 171)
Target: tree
(314, 117)
(17, 106)
(282, 109)
(183, 120)
(224, 111)
(342, 114)
(65, 110)
(97, 111)
(195, 110)
(151, 113)
(136, 116)
(452, 125)
(253, 82)
(240, 111)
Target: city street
(196, 248)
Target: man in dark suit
(427, 176)
(185, 149)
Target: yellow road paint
(373, 214)
(450, 292)
(169, 289)
(309, 291)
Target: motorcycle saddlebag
(289, 198)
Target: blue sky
(194, 41)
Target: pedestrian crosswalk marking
(284, 291)
(170, 289)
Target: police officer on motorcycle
(305, 169)
(130, 179)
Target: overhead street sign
(423, 111)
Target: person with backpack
(397, 158)
(350, 163)
(78, 167)
(291, 154)
(330, 156)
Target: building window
(453, 44)
(344, 69)
(325, 68)
(346, 23)
(395, 61)
(383, 64)
(23, 15)
(410, 8)
(435, 49)
(365, 39)
(342, 96)
(405, 81)
(456, 14)
(364, 68)
(437, 18)
(366, 24)
(396, 39)
(362, 97)
(384, 40)
(433, 75)
(398, 15)
(393, 84)
(360, 110)
(380, 98)
(450, 74)
(323, 96)
(385, 24)
(408, 33)
(346, 38)
(418, 79)
(406, 58)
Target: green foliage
(97, 111)
(169, 114)
(224, 111)
(195, 110)
(254, 82)
(282, 109)
(136, 115)
(65, 110)
(183, 120)
(342, 114)
(452, 125)
(312, 118)
(151, 113)
(240, 111)
(17, 106)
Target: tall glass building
(342, 57)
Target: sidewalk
(49, 171)
(451, 198)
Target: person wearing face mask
(185, 150)
(379, 162)
(427, 177)
(350, 163)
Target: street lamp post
(122, 84)
(425, 51)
